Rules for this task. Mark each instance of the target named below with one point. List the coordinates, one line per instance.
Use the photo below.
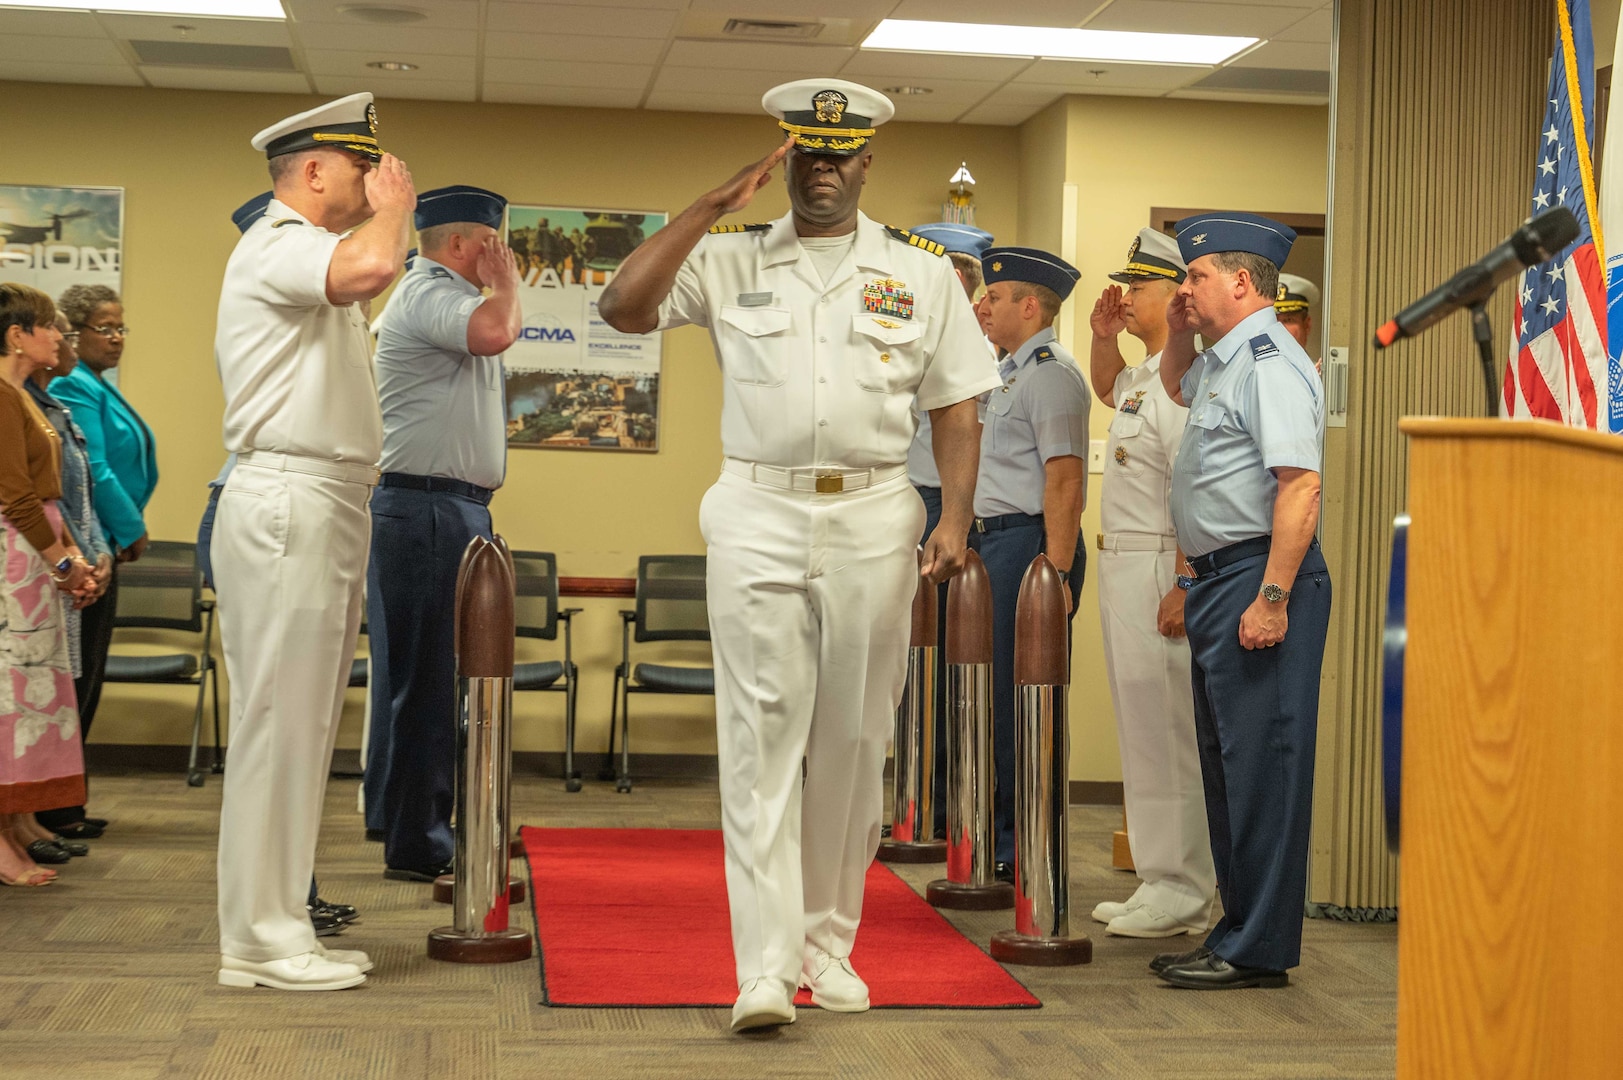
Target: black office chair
(536, 614)
(670, 607)
(164, 590)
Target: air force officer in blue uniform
(1245, 504)
(439, 371)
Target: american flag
(1558, 369)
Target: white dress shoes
(352, 957)
(306, 971)
(1145, 921)
(834, 985)
(762, 1003)
(1112, 910)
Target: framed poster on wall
(54, 237)
(574, 382)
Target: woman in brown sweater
(41, 759)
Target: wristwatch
(1274, 594)
(1185, 582)
(59, 571)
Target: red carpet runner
(638, 918)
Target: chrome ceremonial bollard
(1042, 915)
(912, 822)
(479, 933)
(970, 884)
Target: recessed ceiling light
(1053, 43)
(383, 14)
(224, 9)
(391, 65)
(908, 90)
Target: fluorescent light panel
(1053, 43)
(222, 9)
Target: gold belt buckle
(1101, 541)
(830, 484)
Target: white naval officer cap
(350, 123)
(1153, 255)
(1296, 294)
(828, 116)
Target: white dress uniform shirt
(1143, 444)
(443, 408)
(296, 370)
(812, 378)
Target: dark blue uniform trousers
(417, 542)
(1007, 554)
(1256, 720)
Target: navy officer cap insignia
(828, 116)
(1153, 256)
(350, 123)
(458, 203)
(1234, 230)
(953, 236)
(251, 211)
(1031, 265)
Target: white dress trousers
(810, 599)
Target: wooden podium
(1512, 811)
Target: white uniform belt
(348, 471)
(1137, 542)
(822, 481)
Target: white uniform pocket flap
(884, 330)
(1125, 426)
(757, 321)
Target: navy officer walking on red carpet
(1245, 504)
(440, 386)
(826, 326)
(290, 543)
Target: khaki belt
(1137, 542)
(347, 471)
(821, 481)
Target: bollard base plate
(1013, 947)
(956, 896)
(445, 888)
(908, 851)
(498, 947)
(515, 848)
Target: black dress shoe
(426, 874)
(47, 853)
(375, 835)
(344, 913)
(78, 830)
(1215, 973)
(98, 822)
(72, 847)
(1175, 959)
(326, 925)
(1003, 872)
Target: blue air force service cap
(350, 123)
(1153, 256)
(460, 202)
(1030, 265)
(1234, 230)
(251, 211)
(964, 239)
(828, 116)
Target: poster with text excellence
(573, 381)
(54, 237)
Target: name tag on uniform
(754, 299)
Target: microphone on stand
(1537, 241)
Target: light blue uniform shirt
(443, 408)
(1040, 412)
(1255, 404)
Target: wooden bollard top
(969, 614)
(484, 611)
(1041, 656)
(926, 613)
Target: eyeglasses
(71, 337)
(110, 331)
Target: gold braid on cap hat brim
(1290, 307)
(819, 138)
(355, 142)
(1150, 271)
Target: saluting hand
(1108, 320)
(736, 193)
(389, 186)
(496, 265)
(1178, 315)
(1263, 625)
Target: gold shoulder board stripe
(915, 241)
(717, 230)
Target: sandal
(72, 847)
(46, 852)
(30, 879)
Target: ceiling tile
(568, 73)
(203, 31)
(89, 74)
(923, 110)
(597, 97)
(50, 23)
(1026, 13)
(1078, 75)
(574, 47)
(605, 20)
(1038, 94)
(418, 89)
(1001, 115)
(261, 82)
(353, 64)
(1185, 17)
(48, 50)
(1303, 55)
(959, 92)
(447, 14)
(383, 42)
(684, 101)
(757, 56)
(881, 64)
(694, 80)
(867, 11)
(1317, 26)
